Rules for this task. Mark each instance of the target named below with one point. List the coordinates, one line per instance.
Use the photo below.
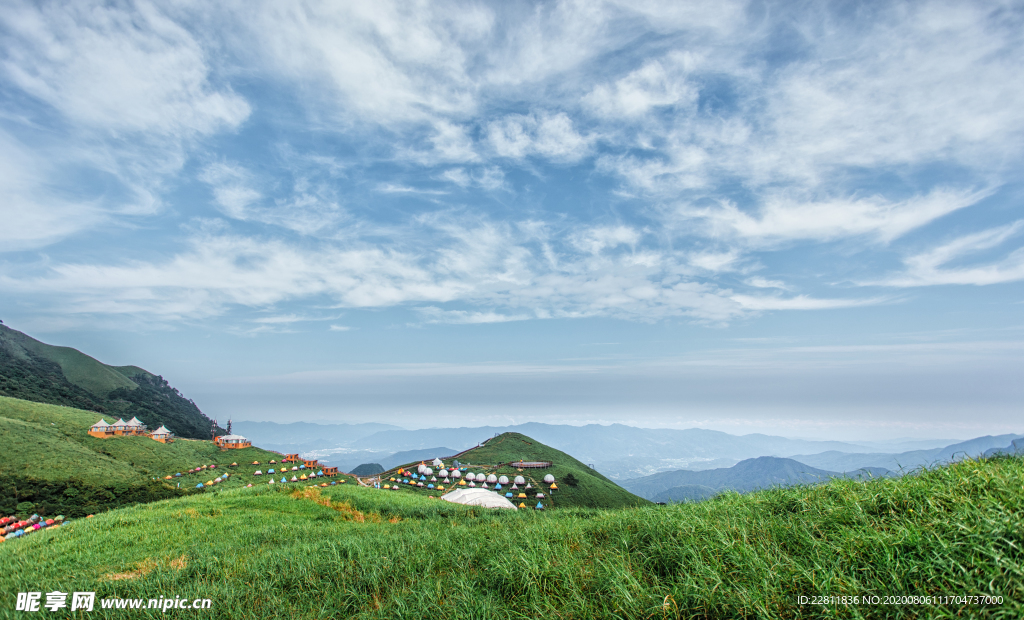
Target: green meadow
(292, 551)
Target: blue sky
(798, 218)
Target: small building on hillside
(101, 429)
(163, 435)
(330, 471)
(227, 442)
(311, 464)
(291, 458)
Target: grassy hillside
(43, 445)
(31, 450)
(36, 371)
(349, 552)
(578, 484)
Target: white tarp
(478, 497)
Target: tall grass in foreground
(352, 552)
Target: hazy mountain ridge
(748, 475)
(907, 461)
(620, 452)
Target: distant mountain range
(38, 372)
(748, 475)
(620, 452)
(906, 461)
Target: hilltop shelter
(163, 435)
(288, 458)
(478, 497)
(228, 442)
(101, 429)
(332, 471)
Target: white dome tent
(428, 472)
(443, 473)
(520, 480)
(456, 473)
(503, 480)
(437, 463)
(421, 468)
(492, 478)
(478, 497)
(471, 476)
(548, 479)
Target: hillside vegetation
(578, 484)
(349, 552)
(46, 451)
(39, 372)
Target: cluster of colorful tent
(455, 478)
(217, 480)
(12, 527)
(196, 470)
(302, 478)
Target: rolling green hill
(46, 451)
(290, 551)
(578, 484)
(33, 370)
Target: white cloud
(595, 240)
(759, 282)
(658, 83)
(551, 136)
(433, 314)
(116, 70)
(339, 328)
(933, 267)
(782, 218)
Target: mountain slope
(747, 475)
(53, 466)
(36, 371)
(578, 484)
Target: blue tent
(302, 467)
(178, 475)
(270, 471)
(283, 479)
(430, 486)
(508, 495)
(333, 483)
(199, 486)
(320, 473)
(497, 487)
(540, 506)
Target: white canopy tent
(478, 497)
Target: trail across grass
(343, 552)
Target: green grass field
(347, 552)
(578, 484)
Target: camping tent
(548, 479)
(456, 473)
(503, 480)
(492, 478)
(443, 473)
(437, 463)
(520, 480)
(471, 476)
(478, 497)
(257, 473)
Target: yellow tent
(462, 483)
(522, 495)
(522, 505)
(302, 477)
(387, 486)
(167, 477)
(209, 483)
(554, 487)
